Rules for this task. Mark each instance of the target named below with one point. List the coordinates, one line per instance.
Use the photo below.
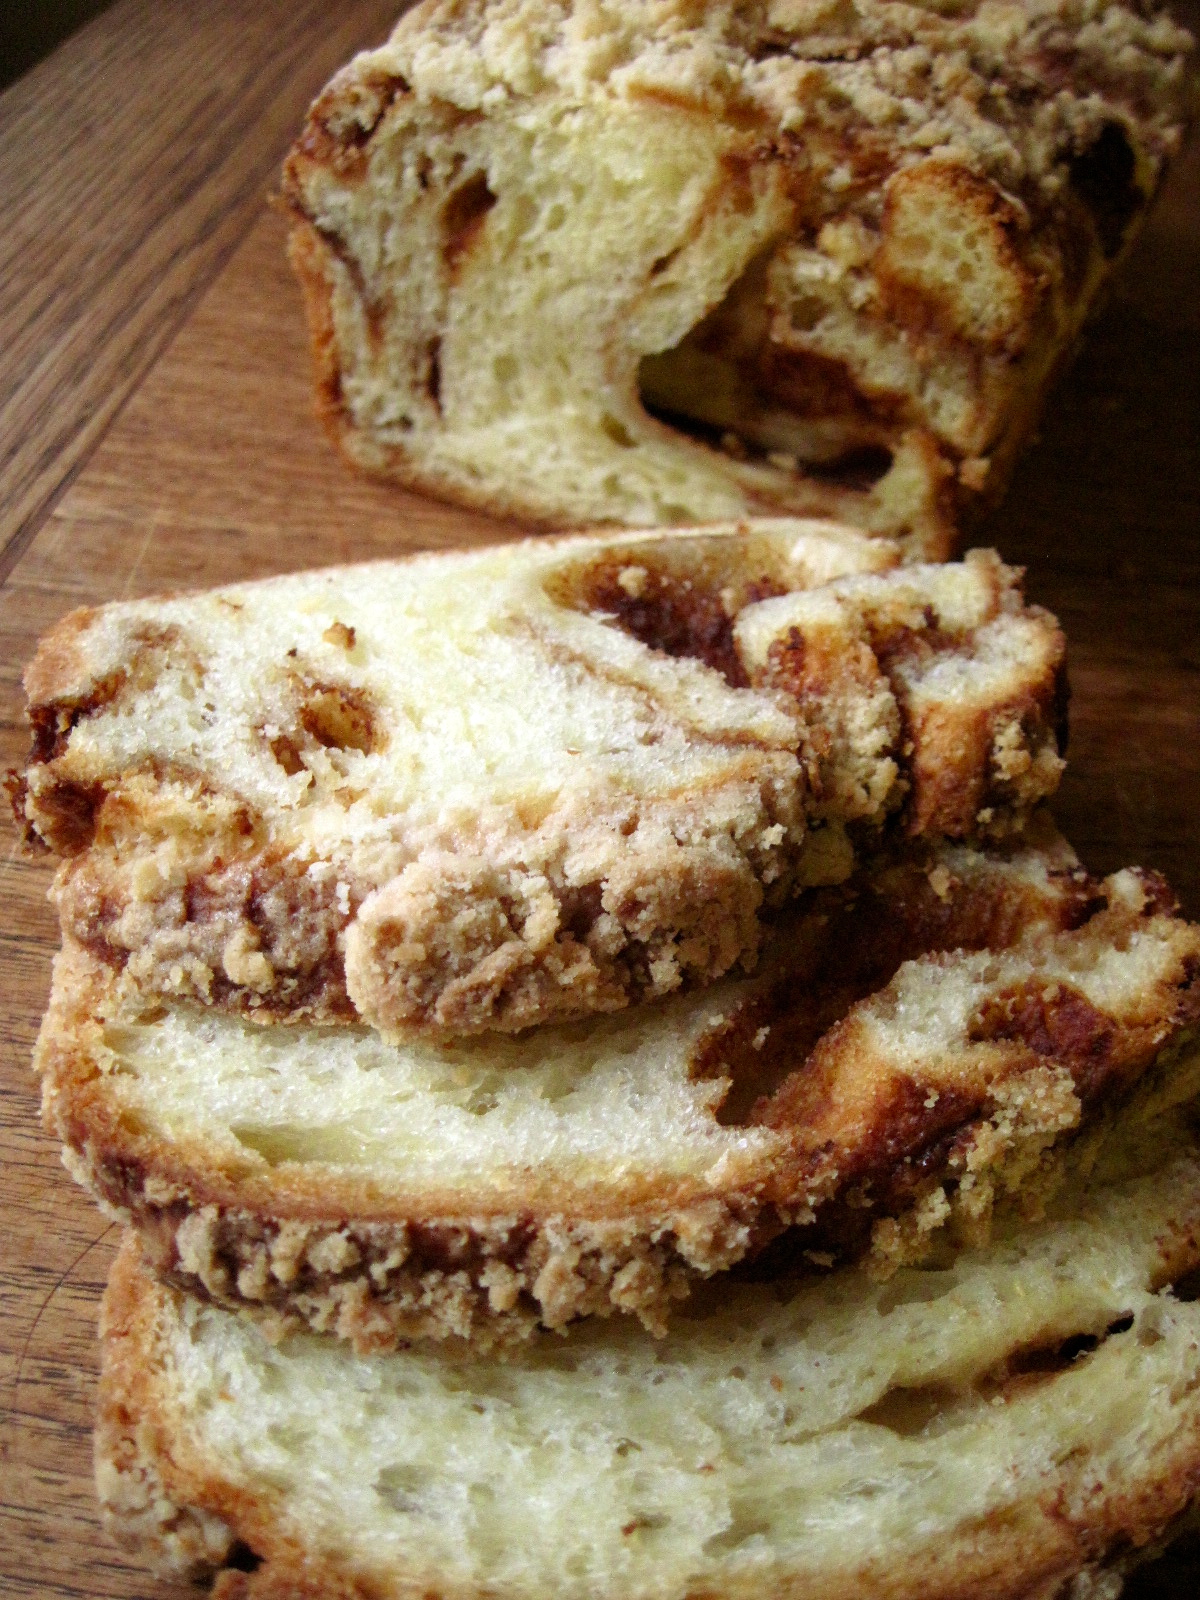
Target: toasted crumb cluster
(817, 256)
(486, 792)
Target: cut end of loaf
(758, 260)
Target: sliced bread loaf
(917, 1050)
(487, 790)
(655, 263)
(1020, 1424)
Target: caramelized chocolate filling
(672, 614)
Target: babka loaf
(1020, 1424)
(650, 261)
(487, 790)
(919, 1048)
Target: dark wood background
(155, 432)
(33, 28)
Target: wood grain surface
(134, 159)
(215, 471)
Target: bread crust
(1071, 1536)
(859, 1147)
(761, 739)
(894, 221)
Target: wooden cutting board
(214, 471)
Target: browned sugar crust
(876, 1153)
(182, 886)
(950, 191)
(171, 1505)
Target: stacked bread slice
(901, 1064)
(616, 1084)
(1021, 1422)
(482, 791)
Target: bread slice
(660, 263)
(918, 1050)
(1021, 1424)
(489, 790)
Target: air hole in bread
(340, 636)
(767, 1043)
(617, 432)
(279, 1144)
(241, 1558)
(404, 1489)
(339, 718)
(462, 219)
(1103, 176)
(1045, 1360)
(730, 385)
(287, 754)
(745, 1524)
(857, 466)
(909, 1412)
(860, 467)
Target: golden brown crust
(309, 255)
(61, 660)
(873, 1150)
(142, 1455)
(134, 1439)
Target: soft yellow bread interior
(493, 1122)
